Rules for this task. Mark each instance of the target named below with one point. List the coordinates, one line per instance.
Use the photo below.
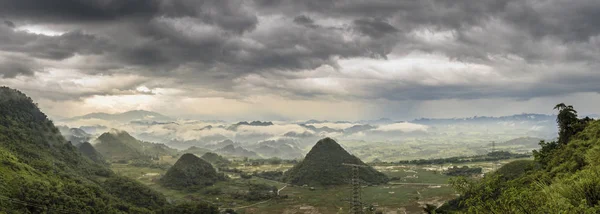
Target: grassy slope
(568, 181)
(41, 172)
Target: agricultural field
(411, 188)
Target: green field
(324, 200)
(414, 186)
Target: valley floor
(416, 186)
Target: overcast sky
(311, 59)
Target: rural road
(419, 184)
(279, 190)
(251, 205)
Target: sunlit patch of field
(266, 167)
(335, 199)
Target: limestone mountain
(253, 123)
(220, 144)
(196, 150)
(215, 159)
(236, 151)
(120, 146)
(190, 171)
(74, 135)
(89, 151)
(322, 166)
(136, 115)
(280, 148)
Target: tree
(567, 121)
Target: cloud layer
(260, 58)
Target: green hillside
(215, 159)
(323, 166)
(190, 171)
(196, 150)
(118, 146)
(42, 173)
(563, 178)
(89, 151)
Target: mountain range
(128, 116)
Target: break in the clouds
(285, 59)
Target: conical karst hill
(322, 166)
(190, 171)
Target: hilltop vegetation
(322, 166)
(189, 172)
(215, 159)
(564, 177)
(40, 172)
(492, 156)
(89, 151)
(236, 151)
(119, 146)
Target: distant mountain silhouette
(516, 117)
(196, 150)
(253, 123)
(236, 151)
(74, 135)
(135, 115)
(281, 148)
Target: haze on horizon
(299, 60)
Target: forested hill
(120, 146)
(563, 178)
(42, 173)
(323, 166)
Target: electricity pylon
(357, 205)
(495, 162)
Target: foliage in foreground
(40, 172)
(563, 178)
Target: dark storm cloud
(51, 47)
(77, 10)
(13, 69)
(213, 42)
(9, 24)
(567, 20)
(305, 21)
(374, 27)
(224, 13)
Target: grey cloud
(228, 14)
(213, 42)
(9, 24)
(305, 21)
(9, 69)
(566, 20)
(78, 11)
(51, 47)
(376, 28)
